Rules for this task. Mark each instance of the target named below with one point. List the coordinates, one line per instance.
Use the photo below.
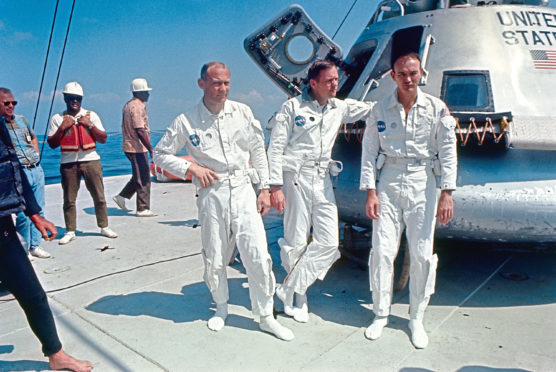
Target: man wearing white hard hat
(136, 143)
(76, 131)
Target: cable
(58, 75)
(45, 62)
(110, 274)
(343, 20)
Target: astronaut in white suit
(299, 155)
(409, 142)
(227, 145)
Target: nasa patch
(195, 140)
(381, 126)
(299, 121)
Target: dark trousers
(140, 181)
(91, 171)
(17, 274)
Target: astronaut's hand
(372, 208)
(277, 198)
(204, 175)
(445, 210)
(263, 202)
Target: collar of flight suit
(420, 101)
(305, 97)
(205, 114)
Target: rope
(58, 75)
(343, 20)
(45, 62)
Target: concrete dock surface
(139, 303)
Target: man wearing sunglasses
(77, 131)
(27, 149)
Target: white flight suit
(299, 156)
(407, 153)
(231, 144)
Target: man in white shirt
(299, 155)
(409, 141)
(77, 131)
(227, 145)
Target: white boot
(419, 336)
(216, 323)
(374, 331)
(301, 311)
(271, 325)
(286, 296)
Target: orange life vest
(75, 137)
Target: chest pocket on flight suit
(423, 128)
(207, 139)
(240, 136)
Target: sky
(164, 41)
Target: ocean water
(114, 162)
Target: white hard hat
(74, 88)
(139, 85)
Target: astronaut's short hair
(317, 67)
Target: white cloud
(175, 102)
(105, 97)
(180, 104)
(89, 20)
(32, 95)
(253, 98)
(21, 36)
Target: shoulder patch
(444, 112)
(195, 140)
(299, 120)
(448, 121)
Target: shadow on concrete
(338, 300)
(467, 369)
(490, 369)
(23, 365)
(111, 211)
(194, 303)
(333, 299)
(62, 231)
(194, 223)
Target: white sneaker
(146, 213)
(68, 237)
(120, 201)
(108, 232)
(30, 257)
(39, 252)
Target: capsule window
(467, 91)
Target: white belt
(234, 174)
(408, 161)
(317, 164)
